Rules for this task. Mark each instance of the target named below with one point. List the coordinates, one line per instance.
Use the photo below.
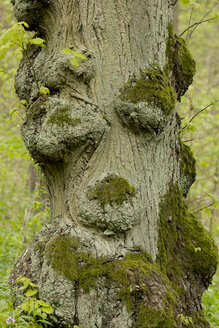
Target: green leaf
(198, 249)
(48, 309)
(38, 42)
(75, 326)
(26, 305)
(195, 5)
(43, 315)
(13, 112)
(74, 62)
(44, 90)
(32, 284)
(46, 322)
(185, 2)
(24, 102)
(31, 292)
(37, 312)
(4, 50)
(36, 205)
(78, 55)
(26, 282)
(42, 303)
(67, 51)
(23, 23)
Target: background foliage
(23, 201)
(201, 134)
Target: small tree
(121, 249)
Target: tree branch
(202, 20)
(202, 208)
(212, 103)
(195, 24)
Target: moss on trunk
(180, 63)
(111, 190)
(153, 87)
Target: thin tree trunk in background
(176, 18)
(120, 248)
(32, 178)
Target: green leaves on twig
(75, 55)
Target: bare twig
(26, 219)
(197, 23)
(203, 18)
(190, 140)
(211, 104)
(204, 207)
(190, 19)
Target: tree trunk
(121, 249)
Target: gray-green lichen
(180, 63)
(153, 87)
(63, 117)
(51, 128)
(141, 117)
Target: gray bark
(85, 134)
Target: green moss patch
(67, 260)
(185, 250)
(187, 255)
(154, 318)
(185, 247)
(62, 117)
(129, 274)
(180, 63)
(133, 275)
(187, 161)
(111, 190)
(153, 87)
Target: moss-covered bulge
(180, 63)
(111, 190)
(153, 87)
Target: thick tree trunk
(120, 246)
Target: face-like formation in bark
(113, 116)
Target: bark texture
(107, 141)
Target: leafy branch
(17, 38)
(74, 56)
